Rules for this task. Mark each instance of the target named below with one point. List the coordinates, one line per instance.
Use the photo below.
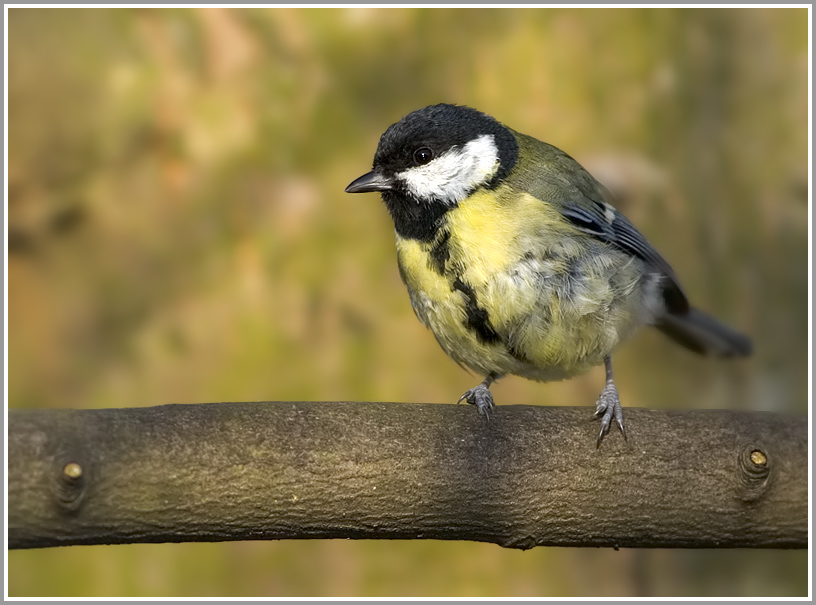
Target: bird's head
(434, 158)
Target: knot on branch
(755, 471)
(70, 481)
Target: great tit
(516, 260)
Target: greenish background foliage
(178, 232)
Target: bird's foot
(481, 397)
(607, 408)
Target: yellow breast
(557, 305)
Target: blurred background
(178, 233)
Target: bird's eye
(423, 155)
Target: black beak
(373, 181)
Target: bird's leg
(480, 395)
(609, 404)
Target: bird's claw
(607, 408)
(481, 397)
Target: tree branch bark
(530, 476)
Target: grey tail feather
(704, 335)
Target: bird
(516, 259)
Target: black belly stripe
(477, 319)
(440, 253)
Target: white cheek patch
(450, 177)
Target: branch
(530, 476)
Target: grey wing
(603, 221)
(590, 211)
(584, 202)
